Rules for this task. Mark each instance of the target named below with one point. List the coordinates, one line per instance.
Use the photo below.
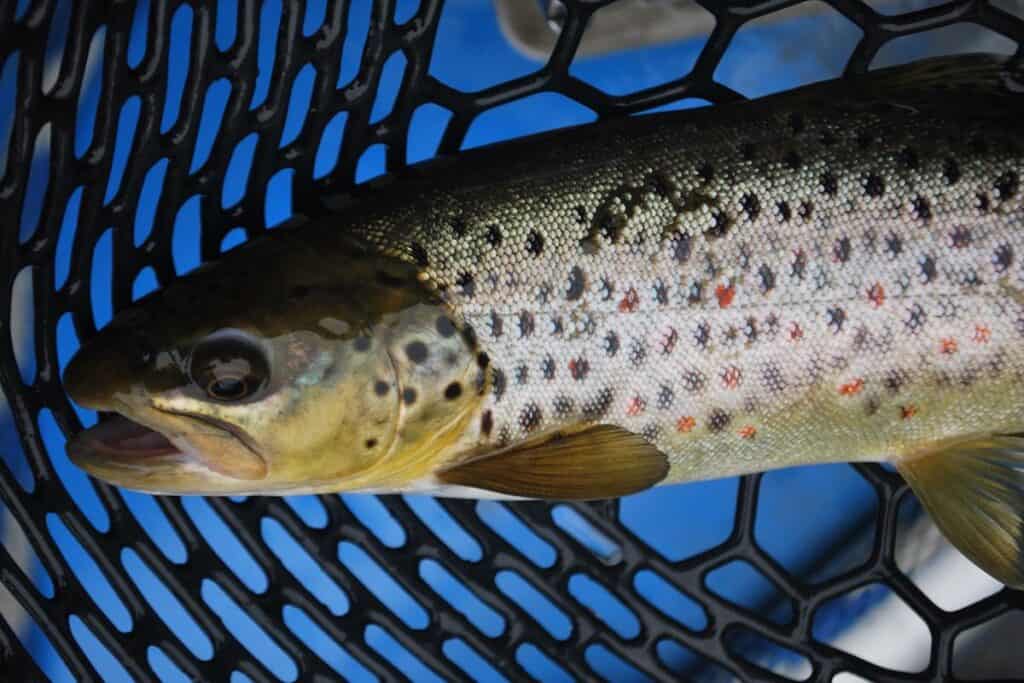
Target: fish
(828, 274)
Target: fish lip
(231, 430)
(88, 451)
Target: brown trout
(828, 274)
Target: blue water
(761, 61)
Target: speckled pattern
(832, 274)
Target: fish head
(280, 370)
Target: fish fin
(974, 490)
(598, 462)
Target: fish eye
(229, 366)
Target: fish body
(830, 274)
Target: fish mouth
(185, 454)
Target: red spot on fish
(636, 406)
(748, 432)
(685, 424)
(852, 388)
(668, 341)
(982, 334)
(629, 302)
(876, 294)
(948, 345)
(732, 377)
(725, 295)
(796, 332)
(907, 412)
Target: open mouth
(121, 439)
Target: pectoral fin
(599, 462)
(974, 490)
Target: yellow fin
(974, 490)
(599, 462)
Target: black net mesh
(101, 182)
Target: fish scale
(791, 285)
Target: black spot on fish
(893, 245)
(581, 215)
(706, 172)
(874, 186)
(718, 420)
(719, 226)
(836, 319)
(785, 213)
(495, 324)
(751, 206)
(498, 383)
(494, 235)
(467, 284)
(1002, 259)
(598, 406)
(805, 210)
(695, 293)
(547, 368)
(951, 171)
(772, 378)
(453, 391)
(482, 360)
(534, 243)
(408, 396)
(563, 405)
(420, 255)
(666, 397)
(531, 417)
(468, 336)
(444, 327)
(362, 343)
(577, 283)
(694, 381)
(702, 335)
(766, 277)
(922, 209)
(842, 250)
(908, 159)
(526, 324)
(651, 431)
(829, 184)
(380, 387)
(371, 443)
(660, 293)
(798, 268)
(486, 423)
(894, 380)
(960, 237)
(459, 227)
(522, 374)
(607, 289)
(1007, 185)
(916, 319)
(637, 352)
(681, 247)
(416, 351)
(750, 330)
(982, 202)
(796, 122)
(792, 160)
(928, 269)
(611, 343)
